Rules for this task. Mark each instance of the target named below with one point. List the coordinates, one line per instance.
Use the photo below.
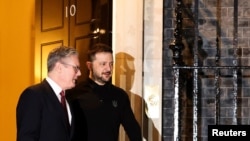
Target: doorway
(74, 23)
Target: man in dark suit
(39, 113)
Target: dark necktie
(63, 102)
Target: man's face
(70, 71)
(102, 67)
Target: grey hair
(57, 54)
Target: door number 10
(72, 10)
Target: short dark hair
(96, 48)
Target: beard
(102, 78)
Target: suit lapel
(56, 104)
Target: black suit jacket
(40, 116)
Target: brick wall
(215, 19)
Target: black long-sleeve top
(105, 108)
